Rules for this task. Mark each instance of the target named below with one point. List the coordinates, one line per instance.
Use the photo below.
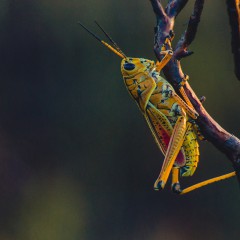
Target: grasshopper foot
(176, 188)
(159, 185)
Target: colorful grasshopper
(170, 119)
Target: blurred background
(77, 160)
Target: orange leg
(167, 54)
(185, 97)
(189, 110)
(176, 186)
(175, 182)
(206, 182)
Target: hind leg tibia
(209, 181)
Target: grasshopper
(169, 117)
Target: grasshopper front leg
(173, 149)
(168, 53)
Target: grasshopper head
(131, 66)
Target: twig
(211, 130)
(233, 8)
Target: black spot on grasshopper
(139, 91)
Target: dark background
(77, 158)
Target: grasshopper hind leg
(176, 188)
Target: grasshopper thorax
(132, 66)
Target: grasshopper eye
(129, 66)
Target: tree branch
(211, 130)
(174, 7)
(158, 9)
(233, 8)
(189, 35)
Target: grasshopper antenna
(91, 33)
(103, 42)
(110, 39)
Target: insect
(169, 117)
